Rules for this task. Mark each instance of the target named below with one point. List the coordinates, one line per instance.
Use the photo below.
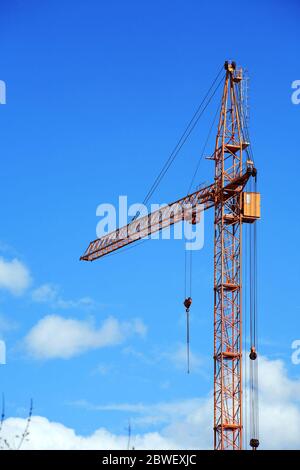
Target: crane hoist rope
(187, 303)
(245, 333)
(245, 127)
(203, 149)
(184, 136)
(254, 418)
(188, 255)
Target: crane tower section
(228, 157)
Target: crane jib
(168, 215)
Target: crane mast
(228, 158)
(231, 209)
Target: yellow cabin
(251, 207)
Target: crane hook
(187, 303)
(253, 353)
(254, 443)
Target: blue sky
(97, 95)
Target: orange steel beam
(228, 158)
(164, 217)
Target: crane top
(230, 66)
(232, 69)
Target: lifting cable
(187, 132)
(190, 127)
(254, 418)
(187, 303)
(2, 414)
(188, 255)
(251, 304)
(203, 149)
(245, 126)
(185, 135)
(245, 338)
(188, 258)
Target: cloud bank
(56, 337)
(183, 424)
(14, 276)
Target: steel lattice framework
(183, 209)
(225, 195)
(227, 272)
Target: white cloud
(14, 276)
(82, 302)
(2, 352)
(178, 357)
(188, 423)
(279, 406)
(57, 337)
(274, 381)
(49, 293)
(184, 424)
(45, 434)
(175, 356)
(102, 369)
(6, 324)
(44, 293)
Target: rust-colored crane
(233, 207)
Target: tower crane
(233, 207)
